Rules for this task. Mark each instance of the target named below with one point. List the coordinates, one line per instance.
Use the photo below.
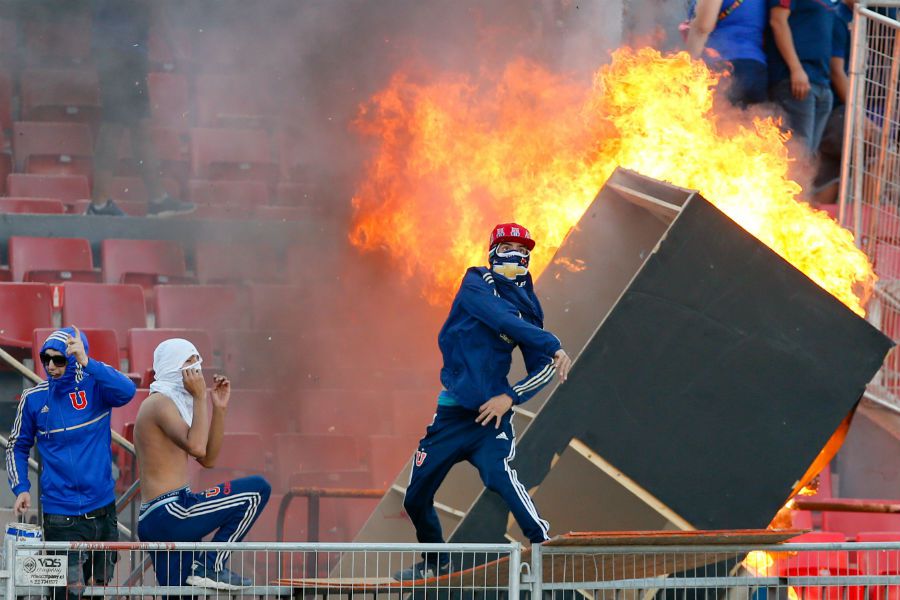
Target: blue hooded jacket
(489, 317)
(70, 417)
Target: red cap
(511, 232)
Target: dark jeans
(749, 82)
(807, 117)
(830, 150)
(100, 526)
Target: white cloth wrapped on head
(168, 365)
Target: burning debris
(458, 153)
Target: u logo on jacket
(79, 399)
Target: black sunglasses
(57, 359)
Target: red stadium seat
(257, 410)
(130, 208)
(209, 307)
(53, 148)
(232, 101)
(256, 359)
(820, 559)
(282, 213)
(168, 46)
(103, 345)
(850, 524)
(242, 452)
(355, 479)
(119, 307)
(887, 260)
(170, 99)
(51, 260)
(6, 98)
(60, 95)
(127, 414)
(879, 562)
(225, 49)
(142, 343)
(300, 195)
(222, 211)
(67, 188)
(412, 412)
(9, 42)
(52, 40)
(343, 412)
(299, 452)
(246, 194)
(145, 262)
(128, 189)
(267, 306)
(34, 206)
(24, 307)
(801, 519)
(172, 149)
(237, 263)
(386, 455)
(232, 154)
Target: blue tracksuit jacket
(70, 418)
(488, 319)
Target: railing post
(515, 570)
(11, 568)
(537, 572)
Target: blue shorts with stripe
(228, 509)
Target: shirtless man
(172, 424)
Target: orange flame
(458, 155)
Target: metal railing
(856, 571)
(313, 497)
(792, 571)
(870, 172)
(271, 569)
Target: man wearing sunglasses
(69, 416)
(495, 311)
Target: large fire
(458, 154)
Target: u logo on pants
(453, 437)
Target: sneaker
(110, 209)
(226, 579)
(169, 207)
(423, 570)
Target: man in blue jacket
(495, 311)
(69, 415)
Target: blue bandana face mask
(512, 264)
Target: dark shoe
(169, 207)
(110, 209)
(423, 570)
(226, 579)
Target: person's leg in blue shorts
(229, 509)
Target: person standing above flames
(495, 311)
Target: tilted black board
(713, 382)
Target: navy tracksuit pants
(453, 437)
(229, 509)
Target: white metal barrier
(845, 571)
(870, 170)
(272, 569)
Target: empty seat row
(145, 262)
(58, 194)
(65, 39)
(214, 154)
(28, 306)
